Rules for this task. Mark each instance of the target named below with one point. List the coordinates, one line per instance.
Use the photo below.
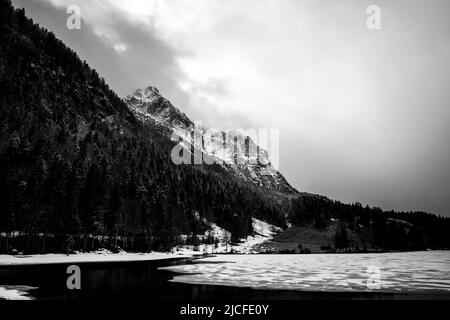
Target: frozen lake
(314, 276)
(392, 272)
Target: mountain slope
(232, 150)
(79, 171)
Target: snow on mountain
(262, 231)
(233, 149)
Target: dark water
(106, 280)
(144, 280)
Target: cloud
(127, 55)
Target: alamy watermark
(373, 21)
(373, 278)
(73, 21)
(74, 280)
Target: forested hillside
(358, 228)
(78, 171)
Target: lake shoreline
(91, 257)
(96, 257)
(162, 287)
(165, 279)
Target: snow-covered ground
(262, 231)
(98, 256)
(15, 292)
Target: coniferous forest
(77, 167)
(78, 171)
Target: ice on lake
(406, 271)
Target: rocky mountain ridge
(232, 149)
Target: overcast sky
(363, 114)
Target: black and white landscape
(187, 151)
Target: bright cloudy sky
(363, 115)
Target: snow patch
(262, 231)
(15, 292)
(99, 256)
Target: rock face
(234, 150)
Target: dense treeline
(78, 171)
(386, 230)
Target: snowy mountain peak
(148, 94)
(245, 159)
(148, 102)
